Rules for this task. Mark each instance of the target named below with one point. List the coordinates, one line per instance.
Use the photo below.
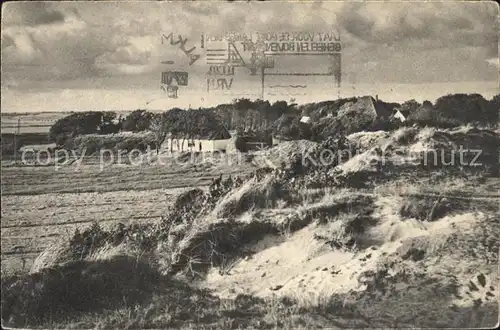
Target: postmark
(172, 79)
(265, 63)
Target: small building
(374, 107)
(305, 119)
(47, 147)
(201, 145)
(366, 105)
(400, 116)
(213, 142)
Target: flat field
(37, 122)
(41, 205)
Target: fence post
(16, 133)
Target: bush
(287, 127)
(137, 121)
(91, 122)
(465, 108)
(8, 145)
(409, 106)
(455, 110)
(92, 143)
(354, 117)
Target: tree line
(261, 118)
(177, 123)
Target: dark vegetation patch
(313, 168)
(82, 123)
(414, 254)
(77, 287)
(355, 214)
(355, 204)
(216, 245)
(266, 197)
(350, 236)
(457, 109)
(137, 121)
(482, 243)
(9, 142)
(427, 208)
(72, 131)
(470, 151)
(83, 244)
(93, 143)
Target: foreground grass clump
(96, 294)
(96, 243)
(76, 287)
(127, 294)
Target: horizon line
(4, 112)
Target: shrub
(7, 141)
(289, 127)
(8, 147)
(352, 118)
(455, 110)
(466, 108)
(92, 143)
(82, 123)
(137, 121)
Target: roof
(398, 114)
(367, 104)
(378, 107)
(37, 147)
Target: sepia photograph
(250, 164)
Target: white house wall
(220, 144)
(206, 145)
(400, 116)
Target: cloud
(450, 24)
(31, 13)
(20, 49)
(32, 45)
(60, 50)
(73, 40)
(132, 57)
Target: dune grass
(86, 287)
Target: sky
(68, 56)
